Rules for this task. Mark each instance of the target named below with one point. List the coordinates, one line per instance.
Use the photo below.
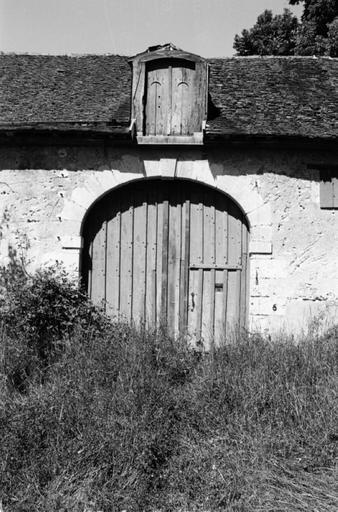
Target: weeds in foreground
(108, 418)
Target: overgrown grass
(108, 418)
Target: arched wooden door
(168, 252)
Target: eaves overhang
(96, 133)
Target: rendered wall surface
(46, 191)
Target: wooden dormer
(169, 96)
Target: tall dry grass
(110, 418)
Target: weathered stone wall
(46, 191)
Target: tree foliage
(315, 34)
(271, 35)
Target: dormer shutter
(169, 96)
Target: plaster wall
(46, 191)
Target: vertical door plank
(221, 258)
(195, 303)
(212, 305)
(151, 105)
(196, 225)
(200, 293)
(185, 91)
(159, 258)
(198, 82)
(183, 118)
(151, 260)
(126, 278)
(184, 276)
(174, 257)
(113, 264)
(219, 306)
(176, 111)
(162, 102)
(225, 304)
(221, 241)
(169, 100)
(209, 228)
(206, 326)
(235, 238)
(233, 300)
(244, 277)
(98, 294)
(165, 243)
(196, 258)
(139, 257)
(234, 258)
(208, 231)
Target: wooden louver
(169, 253)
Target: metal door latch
(192, 301)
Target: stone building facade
(267, 140)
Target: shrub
(125, 419)
(39, 312)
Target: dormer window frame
(139, 65)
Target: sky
(127, 27)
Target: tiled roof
(275, 96)
(264, 96)
(46, 88)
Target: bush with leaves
(39, 312)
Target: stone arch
(257, 212)
(148, 251)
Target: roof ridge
(232, 57)
(271, 57)
(34, 54)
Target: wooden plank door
(217, 268)
(169, 253)
(172, 106)
(157, 107)
(183, 119)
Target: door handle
(192, 301)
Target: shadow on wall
(236, 161)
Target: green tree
(271, 35)
(316, 34)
